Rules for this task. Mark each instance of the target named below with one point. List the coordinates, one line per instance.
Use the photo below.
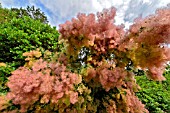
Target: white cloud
(68, 7)
(127, 10)
(62, 10)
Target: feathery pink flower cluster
(154, 29)
(134, 105)
(146, 43)
(3, 102)
(126, 102)
(111, 78)
(48, 82)
(86, 30)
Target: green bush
(32, 12)
(24, 34)
(6, 15)
(155, 95)
(5, 72)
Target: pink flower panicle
(111, 78)
(28, 85)
(146, 43)
(86, 30)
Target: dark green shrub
(155, 95)
(32, 12)
(24, 34)
(5, 72)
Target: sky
(58, 11)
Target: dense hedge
(24, 34)
(6, 15)
(155, 95)
(5, 72)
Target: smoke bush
(112, 50)
(104, 82)
(44, 81)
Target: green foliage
(32, 12)
(5, 72)
(155, 95)
(6, 15)
(24, 34)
